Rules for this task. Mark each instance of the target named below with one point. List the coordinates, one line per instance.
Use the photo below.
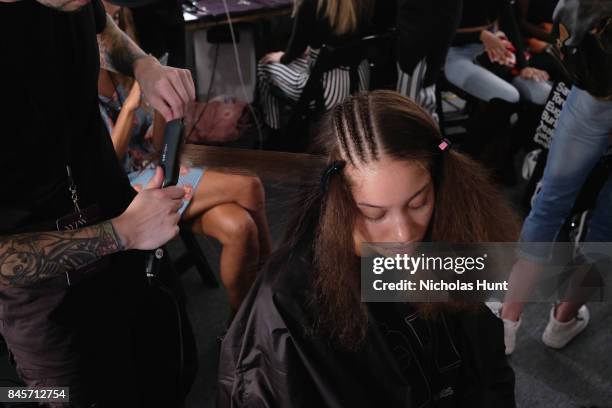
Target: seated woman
(282, 75)
(227, 207)
(303, 338)
(477, 34)
(481, 63)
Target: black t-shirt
(48, 77)
(541, 11)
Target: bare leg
(231, 208)
(234, 228)
(523, 277)
(246, 191)
(566, 311)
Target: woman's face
(395, 200)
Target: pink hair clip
(444, 144)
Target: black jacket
(269, 360)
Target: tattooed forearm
(33, 257)
(117, 51)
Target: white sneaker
(510, 327)
(557, 334)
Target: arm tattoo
(33, 257)
(117, 51)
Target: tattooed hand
(151, 219)
(149, 222)
(167, 89)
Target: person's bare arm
(117, 50)
(33, 257)
(167, 89)
(122, 131)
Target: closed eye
(375, 220)
(420, 200)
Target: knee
(238, 228)
(252, 194)
(509, 94)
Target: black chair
(311, 103)
(194, 256)
(457, 116)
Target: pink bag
(221, 120)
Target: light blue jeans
(464, 73)
(580, 139)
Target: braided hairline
(349, 116)
(352, 117)
(340, 133)
(366, 124)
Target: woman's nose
(404, 229)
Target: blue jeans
(578, 143)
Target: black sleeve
(509, 24)
(414, 25)
(527, 27)
(460, 39)
(303, 26)
(99, 15)
(426, 29)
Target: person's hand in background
(496, 47)
(535, 74)
(272, 57)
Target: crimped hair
(384, 125)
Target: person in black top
(426, 29)
(534, 16)
(304, 338)
(283, 75)
(70, 295)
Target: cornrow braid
(366, 124)
(338, 122)
(354, 129)
(349, 116)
